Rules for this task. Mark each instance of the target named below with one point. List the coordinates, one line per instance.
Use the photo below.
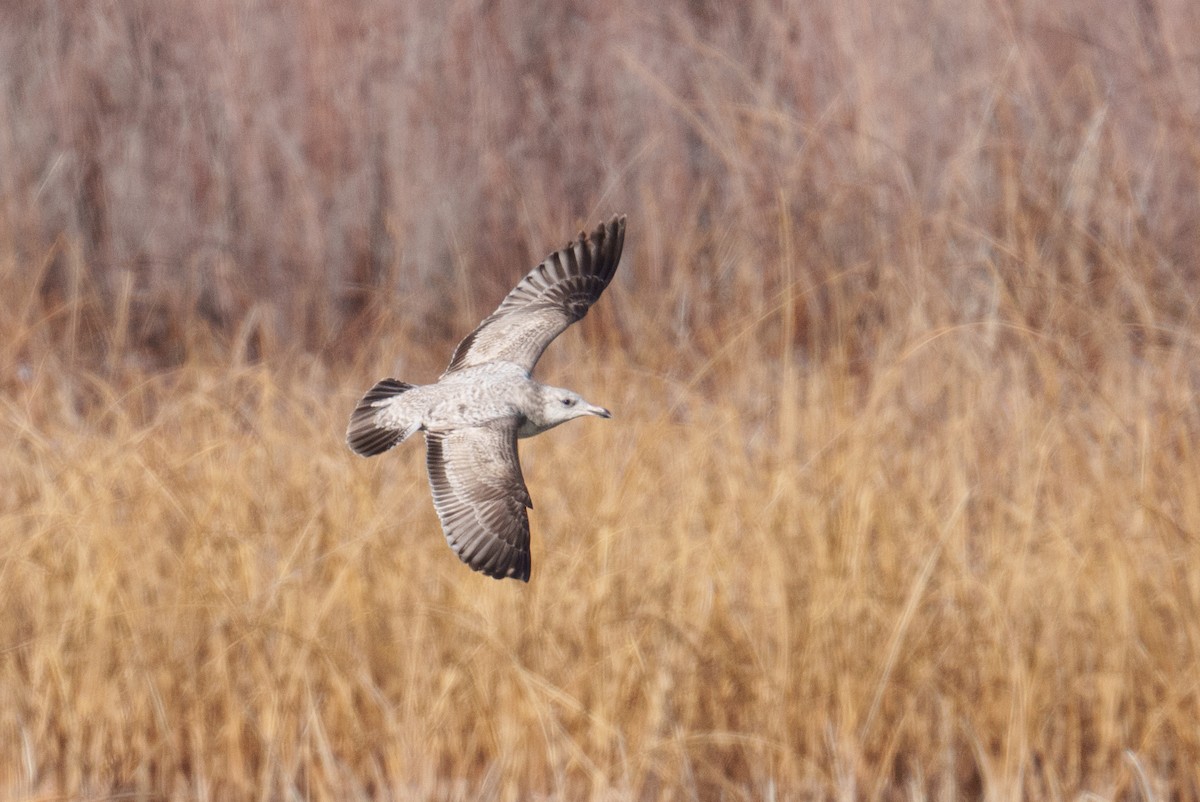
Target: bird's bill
(599, 412)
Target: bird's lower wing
(481, 498)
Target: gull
(487, 399)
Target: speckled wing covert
(554, 295)
(481, 498)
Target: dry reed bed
(937, 578)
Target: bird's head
(560, 406)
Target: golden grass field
(901, 497)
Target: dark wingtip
(521, 570)
(518, 569)
(613, 227)
(607, 241)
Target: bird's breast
(528, 428)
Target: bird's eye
(568, 402)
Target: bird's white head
(559, 406)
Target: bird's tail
(366, 434)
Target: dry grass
(901, 499)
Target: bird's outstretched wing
(481, 498)
(554, 295)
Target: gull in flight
(487, 398)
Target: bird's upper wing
(481, 498)
(554, 295)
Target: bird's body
(487, 398)
(478, 396)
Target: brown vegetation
(902, 498)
